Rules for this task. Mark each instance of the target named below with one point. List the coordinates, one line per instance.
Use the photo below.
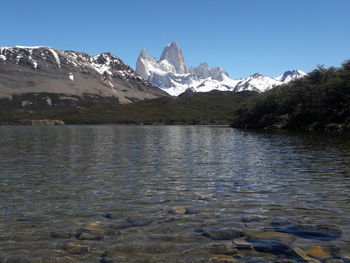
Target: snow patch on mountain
(71, 76)
(57, 58)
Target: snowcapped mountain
(47, 70)
(290, 75)
(170, 73)
(256, 82)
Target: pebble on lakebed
(88, 235)
(242, 244)
(221, 259)
(139, 221)
(180, 210)
(76, 248)
(222, 248)
(61, 235)
(222, 233)
(303, 256)
(322, 252)
(232, 240)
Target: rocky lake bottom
(115, 193)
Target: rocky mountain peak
(291, 75)
(257, 75)
(143, 53)
(174, 56)
(171, 75)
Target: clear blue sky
(242, 36)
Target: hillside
(77, 75)
(214, 107)
(319, 101)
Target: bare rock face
(203, 71)
(174, 56)
(140, 65)
(26, 70)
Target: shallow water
(176, 179)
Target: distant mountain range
(60, 78)
(171, 74)
(77, 75)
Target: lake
(114, 193)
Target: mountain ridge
(25, 69)
(165, 74)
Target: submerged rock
(121, 224)
(319, 232)
(205, 197)
(106, 260)
(108, 215)
(88, 235)
(242, 244)
(139, 221)
(221, 259)
(76, 248)
(270, 242)
(321, 252)
(180, 210)
(192, 211)
(225, 248)
(61, 235)
(210, 222)
(346, 259)
(248, 219)
(222, 233)
(302, 255)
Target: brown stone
(94, 225)
(242, 244)
(222, 233)
(225, 248)
(76, 248)
(221, 259)
(177, 210)
(301, 253)
(319, 252)
(285, 238)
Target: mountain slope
(170, 74)
(26, 70)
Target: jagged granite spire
(174, 56)
(143, 53)
(141, 64)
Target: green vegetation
(319, 101)
(214, 107)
